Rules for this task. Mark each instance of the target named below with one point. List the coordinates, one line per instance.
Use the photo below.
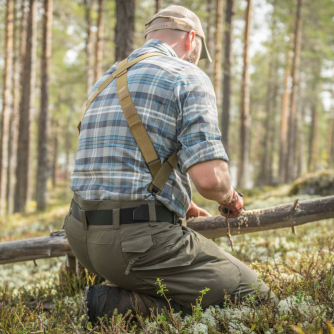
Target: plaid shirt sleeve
(198, 134)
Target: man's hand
(195, 211)
(232, 208)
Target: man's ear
(190, 38)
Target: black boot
(102, 300)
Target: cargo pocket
(181, 254)
(134, 248)
(76, 237)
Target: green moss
(318, 183)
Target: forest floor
(298, 268)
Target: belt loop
(83, 219)
(115, 218)
(152, 212)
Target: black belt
(138, 214)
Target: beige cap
(180, 18)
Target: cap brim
(205, 52)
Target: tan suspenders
(160, 173)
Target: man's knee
(251, 286)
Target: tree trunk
(295, 81)
(284, 121)
(124, 30)
(19, 58)
(218, 50)
(281, 216)
(244, 106)
(43, 124)
(300, 147)
(225, 121)
(7, 86)
(28, 82)
(99, 42)
(209, 37)
(89, 46)
(158, 4)
(55, 153)
(13, 121)
(330, 136)
(313, 153)
(266, 168)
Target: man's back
(176, 103)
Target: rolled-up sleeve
(198, 134)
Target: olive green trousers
(133, 256)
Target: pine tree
(7, 86)
(244, 106)
(225, 121)
(99, 42)
(290, 168)
(124, 31)
(218, 50)
(43, 124)
(28, 82)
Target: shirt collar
(154, 45)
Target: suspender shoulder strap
(124, 66)
(159, 173)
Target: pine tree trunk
(23, 151)
(284, 122)
(225, 121)
(330, 136)
(13, 121)
(209, 36)
(7, 86)
(313, 156)
(300, 138)
(295, 81)
(43, 122)
(89, 46)
(218, 50)
(244, 106)
(124, 30)
(55, 154)
(158, 4)
(266, 168)
(19, 58)
(99, 42)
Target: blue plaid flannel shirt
(176, 103)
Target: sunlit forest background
(272, 71)
(273, 74)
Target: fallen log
(288, 215)
(54, 245)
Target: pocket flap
(137, 244)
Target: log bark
(54, 245)
(286, 215)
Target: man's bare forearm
(211, 179)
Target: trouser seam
(88, 257)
